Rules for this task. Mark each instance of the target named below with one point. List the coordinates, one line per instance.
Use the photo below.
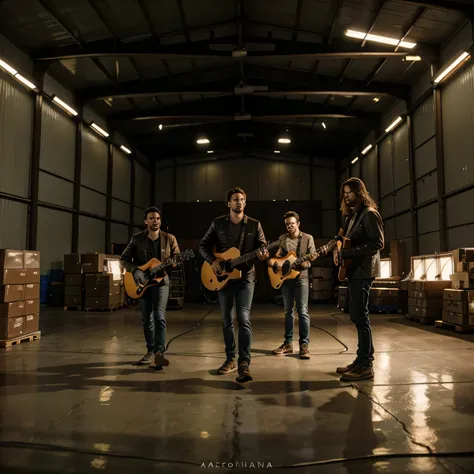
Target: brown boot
(347, 368)
(304, 352)
(160, 360)
(359, 372)
(244, 372)
(285, 348)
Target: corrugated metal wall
(14, 224)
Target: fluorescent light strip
(277, 151)
(284, 140)
(8, 68)
(379, 39)
(412, 58)
(324, 126)
(25, 81)
(355, 160)
(202, 141)
(393, 125)
(453, 65)
(99, 130)
(125, 149)
(210, 151)
(366, 150)
(64, 105)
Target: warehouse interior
(108, 107)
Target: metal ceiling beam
(326, 85)
(283, 49)
(182, 14)
(463, 6)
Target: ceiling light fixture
(25, 81)
(125, 149)
(451, 67)
(8, 68)
(202, 141)
(379, 39)
(210, 151)
(99, 130)
(277, 151)
(355, 160)
(284, 140)
(160, 127)
(393, 125)
(64, 106)
(366, 149)
(376, 99)
(412, 58)
(324, 126)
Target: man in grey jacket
(143, 246)
(296, 290)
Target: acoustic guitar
(344, 264)
(289, 262)
(227, 261)
(154, 272)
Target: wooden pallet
(19, 340)
(101, 310)
(72, 308)
(456, 327)
(418, 319)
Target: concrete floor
(78, 390)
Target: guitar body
(277, 278)
(215, 282)
(345, 263)
(133, 288)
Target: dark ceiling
(240, 72)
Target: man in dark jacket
(363, 225)
(246, 234)
(142, 247)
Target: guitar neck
(321, 251)
(249, 256)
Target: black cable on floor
(324, 462)
(189, 330)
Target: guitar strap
(298, 248)
(353, 228)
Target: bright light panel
(446, 267)
(25, 81)
(324, 126)
(284, 140)
(202, 141)
(160, 127)
(277, 151)
(376, 99)
(379, 39)
(431, 268)
(412, 58)
(451, 67)
(385, 268)
(63, 104)
(125, 149)
(7, 67)
(355, 160)
(418, 268)
(393, 125)
(367, 149)
(99, 130)
(210, 151)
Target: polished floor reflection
(75, 402)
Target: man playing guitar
(246, 234)
(364, 227)
(297, 289)
(142, 247)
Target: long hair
(358, 187)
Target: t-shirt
(235, 230)
(289, 244)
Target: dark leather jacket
(366, 242)
(140, 250)
(218, 236)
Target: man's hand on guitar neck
(262, 254)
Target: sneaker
(347, 368)
(285, 348)
(244, 372)
(146, 359)
(359, 372)
(227, 367)
(304, 352)
(160, 360)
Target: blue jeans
(153, 307)
(359, 291)
(296, 290)
(242, 292)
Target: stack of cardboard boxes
(19, 293)
(93, 281)
(425, 300)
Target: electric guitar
(289, 262)
(344, 264)
(227, 261)
(154, 273)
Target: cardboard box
(426, 295)
(461, 281)
(74, 280)
(93, 291)
(73, 300)
(461, 319)
(323, 273)
(424, 313)
(73, 291)
(12, 310)
(93, 262)
(11, 259)
(384, 292)
(102, 302)
(387, 283)
(32, 306)
(383, 301)
(10, 293)
(31, 259)
(13, 276)
(459, 301)
(95, 280)
(32, 275)
(12, 327)
(56, 295)
(72, 264)
(424, 285)
(31, 323)
(32, 291)
(322, 295)
(322, 285)
(463, 255)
